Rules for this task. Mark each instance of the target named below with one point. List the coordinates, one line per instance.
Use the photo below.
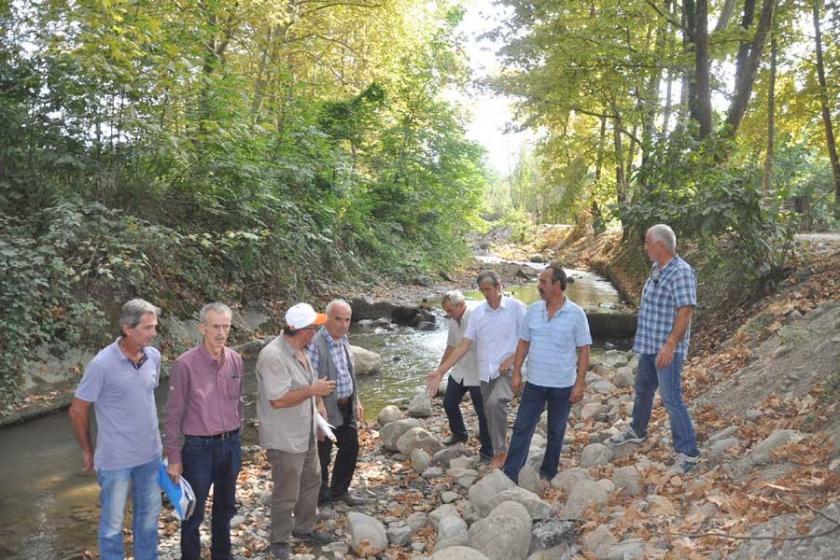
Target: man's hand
(432, 384)
(577, 392)
(360, 411)
(506, 364)
(87, 460)
(665, 355)
(322, 387)
(516, 381)
(174, 471)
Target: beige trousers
(294, 499)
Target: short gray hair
(664, 233)
(134, 309)
(453, 297)
(488, 276)
(215, 306)
(333, 303)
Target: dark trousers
(209, 462)
(452, 405)
(347, 437)
(534, 399)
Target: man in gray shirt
(120, 383)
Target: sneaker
(628, 436)
(314, 537)
(684, 463)
(348, 499)
(280, 550)
(455, 438)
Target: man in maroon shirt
(203, 418)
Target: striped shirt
(666, 290)
(340, 353)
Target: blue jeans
(452, 405)
(211, 462)
(534, 399)
(145, 490)
(668, 379)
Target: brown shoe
(498, 460)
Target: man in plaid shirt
(331, 358)
(662, 332)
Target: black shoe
(454, 438)
(349, 499)
(483, 458)
(280, 550)
(314, 537)
(324, 499)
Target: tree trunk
(749, 56)
(826, 112)
(702, 109)
(620, 180)
(767, 182)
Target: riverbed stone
(595, 454)
(485, 489)
(761, 453)
(399, 534)
(417, 520)
(567, 479)
(420, 406)
(418, 438)
(537, 508)
(365, 362)
(368, 535)
(504, 534)
(389, 414)
(628, 481)
(529, 479)
(584, 495)
(598, 542)
(458, 553)
(446, 510)
(420, 460)
(624, 377)
(452, 531)
(391, 432)
(590, 410)
(445, 456)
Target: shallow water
(49, 508)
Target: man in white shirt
(493, 327)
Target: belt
(344, 402)
(223, 435)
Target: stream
(49, 507)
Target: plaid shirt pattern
(665, 290)
(340, 354)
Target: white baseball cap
(301, 315)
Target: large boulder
(612, 324)
(418, 438)
(485, 489)
(452, 531)
(391, 432)
(458, 553)
(420, 406)
(567, 479)
(367, 534)
(595, 454)
(583, 496)
(537, 508)
(365, 362)
(366, 308)
(389, 414)
(628, 481)
(504, 534)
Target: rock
(552, 532)
(389, 414)
(820, 548)
(366, 308)
(560, 552)
(568, 479)
(426, 326)
(780, 351)
(422, 280)
(602, 387)
(445, 456)
(458, 553)
(660, 505)
(526, 273)
(420, 460)
(537, 508)
(236, 521)
(365, 362)
(452, 531)
(624, 377)
(367, 534)
(590, 410)
(628, 481)
(485, 489)
(418, 438)
(417, 520)
(725, 433)
(448, 497)
(504, 534)
(761, 453)
(626, 551)
(598, 542)
(583, 496)
(529, 479)
(717, 450)
(595, 454)
(446, 510)
(399, 534)
(420, 406)
(391, 432)
(536, 258)
(432, 472)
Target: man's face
(338, 320)
(144, 333)
(547, 286)
(215, 329)
(308, 333)
(455, 311)
(652, 248)
(490, 292)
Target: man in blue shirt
(555, 338)
(664, 327)
(120, 383)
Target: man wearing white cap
(286, 407)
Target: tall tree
(831, 144)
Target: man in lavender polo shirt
(203, 417)
(120, 383)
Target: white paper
(325, 427)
